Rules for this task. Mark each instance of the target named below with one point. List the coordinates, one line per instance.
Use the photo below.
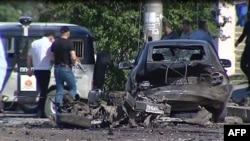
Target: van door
(84, 72)
(27, 86)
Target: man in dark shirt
(168, 32)
(63, 57)
(245, 57)
(187, 30)
(202, 34)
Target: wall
(226, 49)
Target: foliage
(116, 25)
(194, 11)
(12, 10)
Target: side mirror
(125, 65)
(225, 63)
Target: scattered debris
(117, 109)
(233, 120)
(27, 133)
(203, 117)
(110, 132)
(161, 132)
(12, 132)
(240, 111)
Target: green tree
(8, 13)
(12, 10)
(117, 26)
(176, 11)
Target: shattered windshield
(177, 53)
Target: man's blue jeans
(64, 74)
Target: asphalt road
(32, 129)
(23, 127)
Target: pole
(153, 10)
(248, 9)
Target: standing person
(39, 58)
(168, 32)
(63, 55)
(245, 57)
(202, 33)
(187, 31)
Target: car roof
(38, 29)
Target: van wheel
(102, 60)
(29, 108)
(10, 106)
(50, 108)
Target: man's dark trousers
(43, 78)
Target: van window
(79, 47)
(8, 44)
(23, 45)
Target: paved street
(24, 127)
(30, 129)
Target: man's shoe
(62, 109)
(77, 97)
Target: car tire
(29, 108)
(220, 115)
(102, 60)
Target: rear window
(177, 53)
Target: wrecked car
(168, 77)
(186, 74)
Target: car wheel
(29, 108)
(102, 61)
(219, 115)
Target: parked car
(188, 74)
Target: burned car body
(167, 77)
(187, 74)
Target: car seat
(196, 57)
(157, 57)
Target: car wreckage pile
(168, 78)
(112, 109)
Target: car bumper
(187, 97)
